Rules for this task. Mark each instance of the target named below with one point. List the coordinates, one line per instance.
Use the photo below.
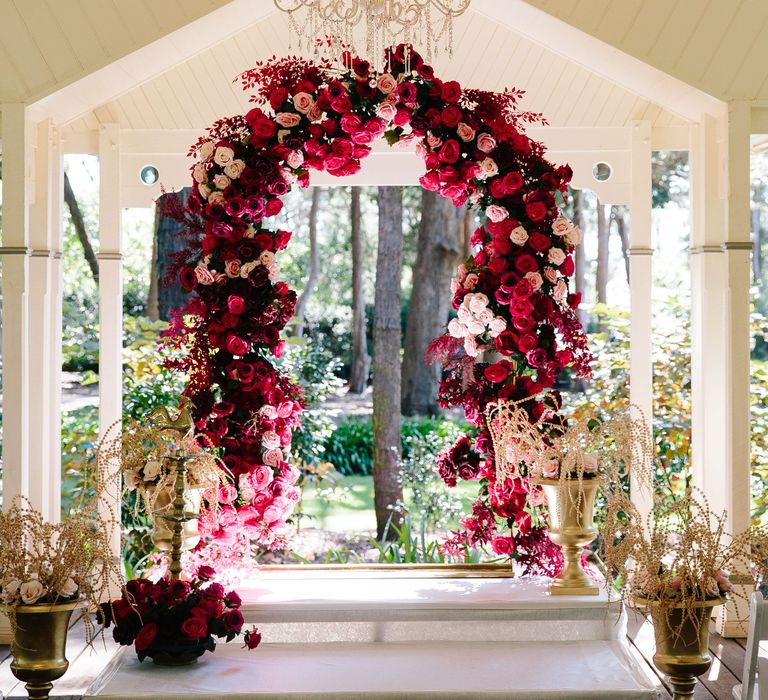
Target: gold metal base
(555, 589)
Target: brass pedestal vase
(39, 645)
(682, 642)
(162, 528)
(571, 506)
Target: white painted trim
(600, 58)
(124, 74)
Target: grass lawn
(350, 506)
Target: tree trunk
(314, 267)
(441, 234)
(601, 278)
(579, 262)
(170, 297)
(388, 487)
(466, 247)
(153, 296)
(361, 360)
(619, 215)
(77, 221)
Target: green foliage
(758, 397)
(408, 548)
(350, 447)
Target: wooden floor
(717, 684)
(727, 660)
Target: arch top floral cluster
(511, 295)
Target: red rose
(503, 545)
(523, 323)
(232, 599)
(450, 91)
(506, 342)
(233, 620)
(179, 589)
(278, 98)
(567, 268)
(497, 372)
(520, 307)
(263, 128)
(536, 211)
(528, 341)
(252, 638)
(188, 278)
(194, 627)
(539, 242)
(273, 206)
(526, 263)
(429, 181)
(406, 92)
(536, 357)
(451, 116)
(449, 153)
(235, 304)
(145, 636)
(496, 188)
(237, 346)
(512, 181)
(523, 289)
(498, 265)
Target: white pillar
(110, 295)
(641, 308)
(44, 340)
(15, 255)
(720, 323)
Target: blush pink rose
(386, 83)
(486, 143)
(204, 275)
(223, 155)
(232, 268)
(556, 256)
(287, 119)
(270, 439)
(303, 102)
(465, 132)
(273, 457)
(496, 213)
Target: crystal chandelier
(325, 27)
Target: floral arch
(511, 295)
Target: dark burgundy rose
(506, 343)
(450, 91)
(528, 341)
(188, 278)
(259, 277)
(233, 620)
(194, 628)
(451, 116)
(125, 632)
(526, 263)
(277, 98)
(513, 181)
(406, 92)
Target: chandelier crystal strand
(328, 25)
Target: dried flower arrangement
(679, 556)
(44, 563)
(553, 447)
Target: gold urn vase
(39, 645)
(682, 641)
(571, 506)
(162, 528)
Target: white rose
(556, 256)
(475, 327)
(223, 155)
(221, 181)
(68, 589)
(31, 591)
(152, 470)
(471, 347)
(234, 169)
(485, 316)
(206, 151)
(573, 237)
(477, 303)
(198, 173)
(457, 329)
(518, 235)
(497, 326)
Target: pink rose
(232, 268)
(227, 493)
(204, 275)
(386, 83)
(573, 237)
(221, 181)
(496, 213)
(550, 274)
(287, 119)
(503, 545)
(561, 226)
(386, 112)
(488, 167)
(303, 102)
(237, 346)
(518, 235)
(234, 169)
(550, 468)
(270, 439)
(261, 477)
(295, 159)
(272, 457)
(465, 132)
(486, 143)
(535, 279)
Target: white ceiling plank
(49, 39)
(23, 57)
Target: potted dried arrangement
(147, 454)
(173, 622)
(566, 462)
(675, 565)
(48, 570)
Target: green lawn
(350, 507)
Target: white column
(15, 255)
(44, 381)
(641, 308)
(110, 296)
